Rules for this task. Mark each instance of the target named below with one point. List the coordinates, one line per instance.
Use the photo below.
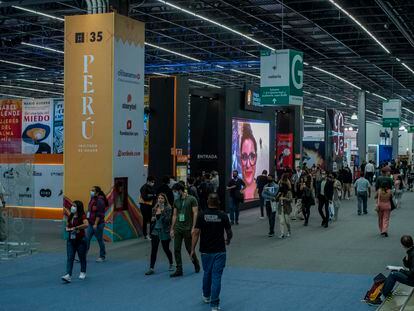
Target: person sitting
(404, 276)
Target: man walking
(235, 186)
(210, 228)
(270, 192)
(324, 197)
(183, 221)
(261, 181)
(363, 190)
(385, 180)
(146, 200)
(369, 171)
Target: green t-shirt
(185, 212)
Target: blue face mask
(176, 195)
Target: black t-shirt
(234, 193)
(212, 224)
(261, 182)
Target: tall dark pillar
(168, 124)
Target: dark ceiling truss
(328, 38)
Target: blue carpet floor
(33, 283)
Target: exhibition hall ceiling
(348, 45)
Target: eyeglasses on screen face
(251, 157)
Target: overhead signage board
(391, 113)
(281, 82)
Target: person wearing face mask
(270, 191)
(324, 197)
(146, 200)
(76, 242)
(96, 218)
(185, 211)
(161, 226)
(236, 187)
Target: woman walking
(160, 231)
(285, 206)
(398, 189)
(337, 196)
(308, 199)
(384, 197)
(96, 218)
(76, 242)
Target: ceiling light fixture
(360, 25)
(406, 66)
(38, 13)
(172, 52)
(204, 83)
(40, 82)
(43, 47)
(245, 73)
(336, 76)
(11, 95)
(318, 121)
(20, 64)
(382, 97)
(367, 110)
(160, 74)
(354, 116)
(217, 24)
(408, 110)
(331, 99)
(29, 89)
(402, 128)
(307, 92)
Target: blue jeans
(362, 201)
(396, 276)
(73, 247)
(234, 210)
(213, 266)
(98, 233)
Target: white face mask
(92, 193)
(73, 209)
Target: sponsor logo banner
(10, 126)
(58, 110)
(37, 136)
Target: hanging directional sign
(391, 113)
(281, 80)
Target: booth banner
(281, 78)
(314, 153)
(10, 126)
(17, 181)
(88, 117)
(58, 110)
(37, 136)
(128, 108)
(48, 185)
(284, 151)
(336, 133)
(250, 152)
(146, 132)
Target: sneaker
(288, 235)
(100, 259)
(82, 275)
(150, 272)
(215, 308)
(206, 299)
(177, 273)
(66, 278)
(147, 238)
(282, 236)
(271, 235)
(171, 268)
(261, 217)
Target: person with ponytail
(96, 218)
(76, 242)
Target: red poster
(10, 126)
(284, 151)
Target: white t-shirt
(369, 168)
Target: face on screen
(248, 157)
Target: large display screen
(250, 152)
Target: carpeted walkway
(316, 269)
(32, 283)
